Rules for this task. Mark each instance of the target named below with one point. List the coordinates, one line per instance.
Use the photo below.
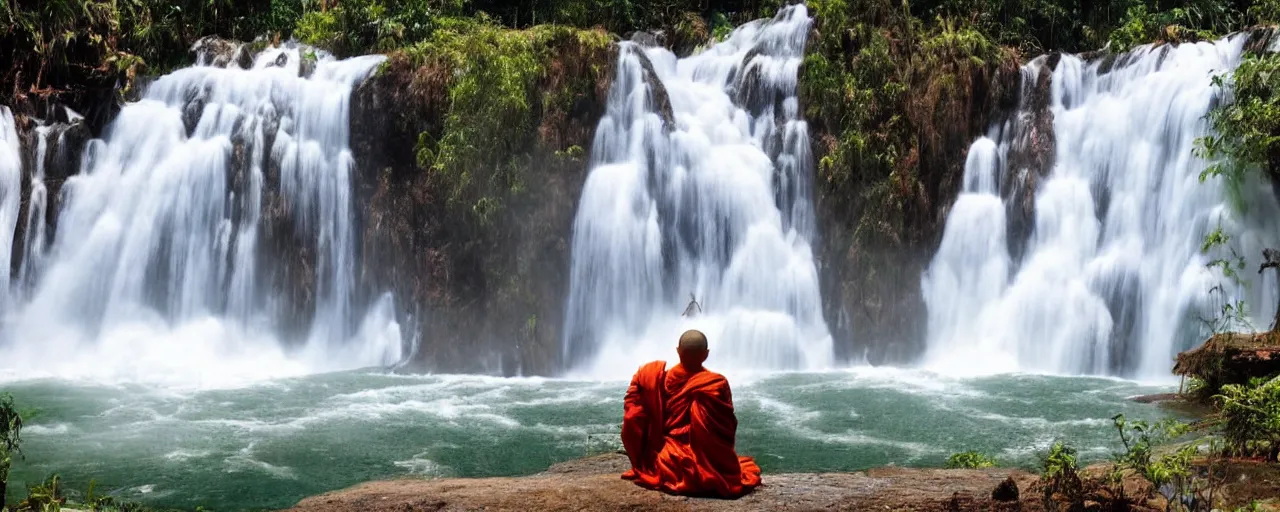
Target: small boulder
(655, 39)
(1006, 491)
(214, 51)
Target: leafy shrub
(1169, 472)
(366, 26)
(492, 99)
(969, 460)
(1247, 138)
(1265, 12)
(1142, 25)
(1061, 478)
(45, 496)
(1249, 417)
(10, 437)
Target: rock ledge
(594, 484)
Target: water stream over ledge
(1108, 277)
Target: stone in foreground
(593, 484)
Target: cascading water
(1112, 279)
(10, 194)
(700, 184)
(156, 262)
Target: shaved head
(692, 349)
(693, 340)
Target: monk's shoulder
(650, 371)
(710, 379)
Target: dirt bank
(593, 484)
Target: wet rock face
(657, 38)
(484, 299)
(1031, 157)
(218, 52)
(871, 292)
(66, 137)
(661, 100)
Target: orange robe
(678, 429)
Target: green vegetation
(1168, 469)
(490, 123)
(969, 460)
(1249, 417)
(49, 495)
(10, 438)
(1186, 465)
(1247, 138)
(1060, 479)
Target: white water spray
(1112, 280)
(10, 197)
(716, 204)
(156, 269)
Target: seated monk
(678, 428)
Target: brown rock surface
(1231, 358)
(594, 484)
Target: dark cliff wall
(482, 294)
(893, 107)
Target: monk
(678, 428)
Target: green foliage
(1140, 440)
(574, 152)
(1033, 25)
(1231, 315)
(161, 31)
(489, 99)
(51, 495)
(492, 98)
(45, 496)
(1264, 12)
(1247, 138)
(721, 27)
(366, 26)
(1249, 416)
(10, 439)
(861, 95)
(1193, 21)
(1061, 475)
(1198, 389)
(970, 460)
(1036, 26)
(954, 42)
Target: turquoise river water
(269, 444)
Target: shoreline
(594, 483)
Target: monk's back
(682, 389)
(679, 430)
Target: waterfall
(10, 195)
(158, 260)
(1109, 278)
(700, 187)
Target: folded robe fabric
(678, 430)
